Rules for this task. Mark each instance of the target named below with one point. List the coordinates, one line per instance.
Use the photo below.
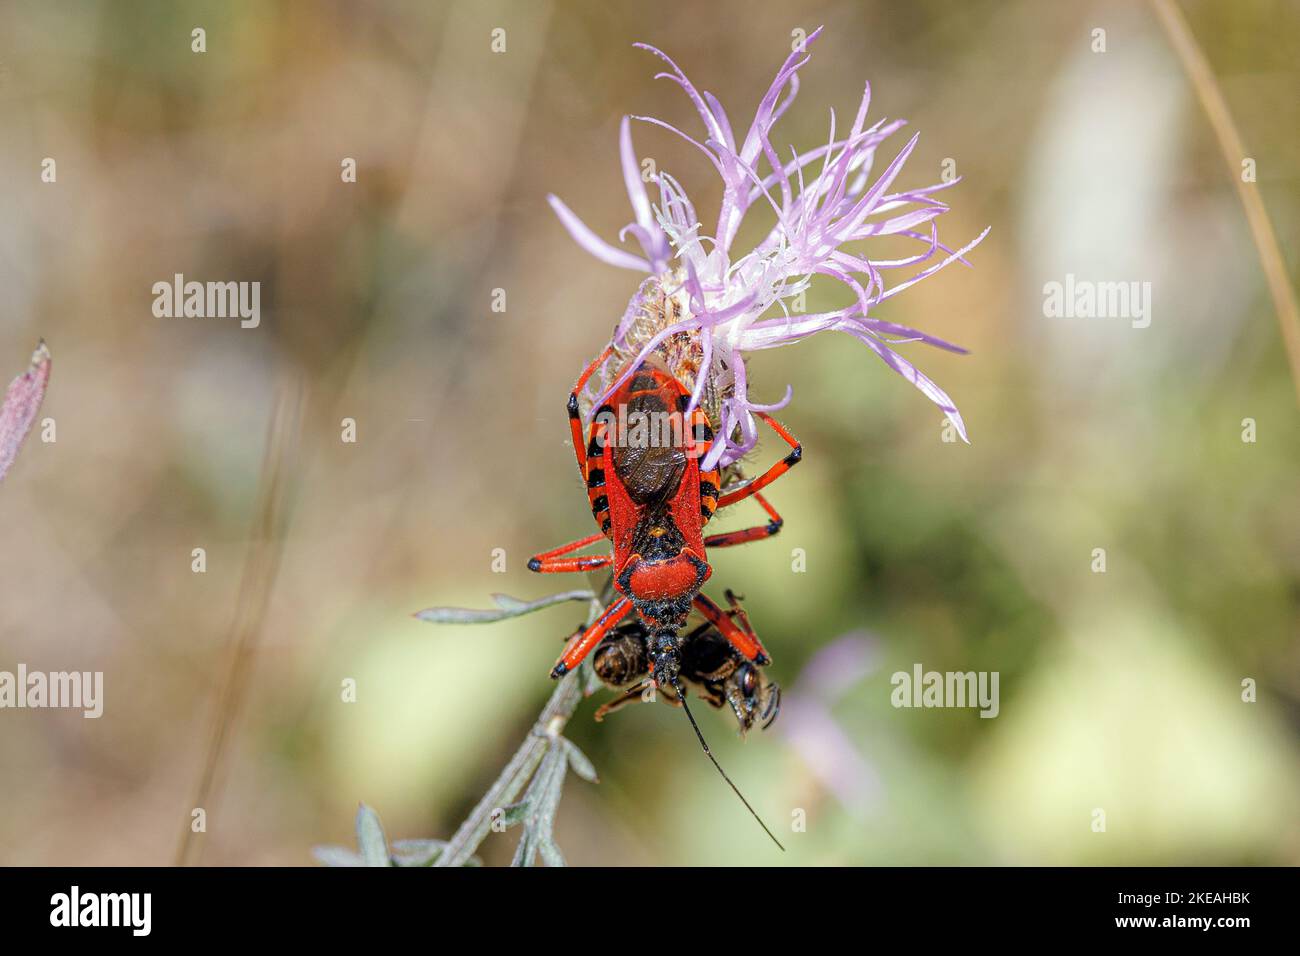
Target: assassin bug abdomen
(640, 460)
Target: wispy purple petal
(910, 372)
(828, 209)
(22, 403)
(591, 242)
(648, 232)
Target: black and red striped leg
(551, 562)
(773, 473)
(745, 535)
(746, 642)
(575, 418)
(580, 645)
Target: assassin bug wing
(648, 469)
(650, 459)
(688, 506)
(658, 397)
(623, 513)
(650, 475)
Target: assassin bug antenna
(681, 694)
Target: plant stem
(510, 784)
(260, 568)
(1230, 144)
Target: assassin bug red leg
(550, 562)
(742, 639)
(745, 535)
(575, 417)
(580, 645)
(738, 613)
(773, 473)
(569, 565)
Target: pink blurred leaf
(22, 402)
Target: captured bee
(710, 666)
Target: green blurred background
(1119, 691)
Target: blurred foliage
(1120, 690)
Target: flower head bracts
(705, 306)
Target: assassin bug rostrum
(651, 501)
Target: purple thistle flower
(705, 305)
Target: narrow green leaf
(370, 838)
(536, 811)
(507, 607)
(550, 853)
(526, 852)
(417, 852)
(578, 761)
(551, 787)
(514, 814)
(337, 856)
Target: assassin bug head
(666, 660)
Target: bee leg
(712, 695)
(632, 695)
(743, 717)
(773, 705)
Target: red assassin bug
(652, 503)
